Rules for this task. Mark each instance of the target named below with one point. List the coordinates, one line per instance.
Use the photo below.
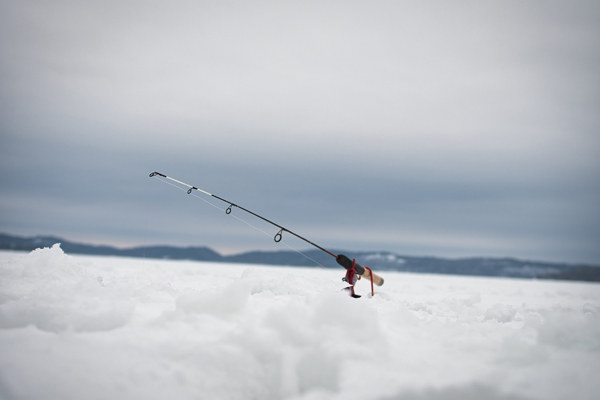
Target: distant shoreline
(381, 261)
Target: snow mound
(467, 392)
(569, 329)
(51, 291)
(156, 329)
(501, 312)
(223, 301)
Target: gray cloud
(423, 128)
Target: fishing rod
(354, 270)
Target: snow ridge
(74, 327)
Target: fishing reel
(354, 271)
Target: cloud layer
(449, 129)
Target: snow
(83, 327)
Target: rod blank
(278, 236)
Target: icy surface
(82, 327)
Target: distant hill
(381, 261)
(8, 242)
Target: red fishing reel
(354, 271)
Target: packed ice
(84, 327)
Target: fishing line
(354, 269)
(242, 220)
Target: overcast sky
(423, 128)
